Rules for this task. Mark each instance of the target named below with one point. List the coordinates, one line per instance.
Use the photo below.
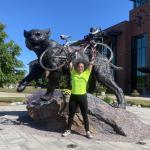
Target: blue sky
(73, 17)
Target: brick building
(131, 46)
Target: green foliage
(135, 93)
(10, 67)
(63, 82)
(66, 91)
(42, 81)
(100, 88)
(141, 80)
(108, 100)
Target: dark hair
(78, 61)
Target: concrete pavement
(17, 136)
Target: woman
(79, 78)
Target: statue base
(103, 118)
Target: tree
(11, 69)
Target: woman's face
(80, 67)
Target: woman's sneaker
(66, 133)
(89, 135)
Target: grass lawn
(130, 102)
(143, 103)
(7, 100)
(29, 89)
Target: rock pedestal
(103, 118)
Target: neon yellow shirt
(79, 81)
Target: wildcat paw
(21, 87)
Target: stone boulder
(103, 118)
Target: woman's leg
(84, 110)
(72, 110)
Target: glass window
(138, 3)
(140, 60)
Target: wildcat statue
(38, 41)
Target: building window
(139, 60)
(138, 3)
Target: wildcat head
(35, 39)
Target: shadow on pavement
(19, 118)
(22, 118)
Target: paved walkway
(14, 136)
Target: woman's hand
(92, 61)
(70, 66)
(91, 64)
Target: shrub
(108, 100)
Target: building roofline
(118, 24)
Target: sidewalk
(15, 136)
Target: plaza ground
(17, 134)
